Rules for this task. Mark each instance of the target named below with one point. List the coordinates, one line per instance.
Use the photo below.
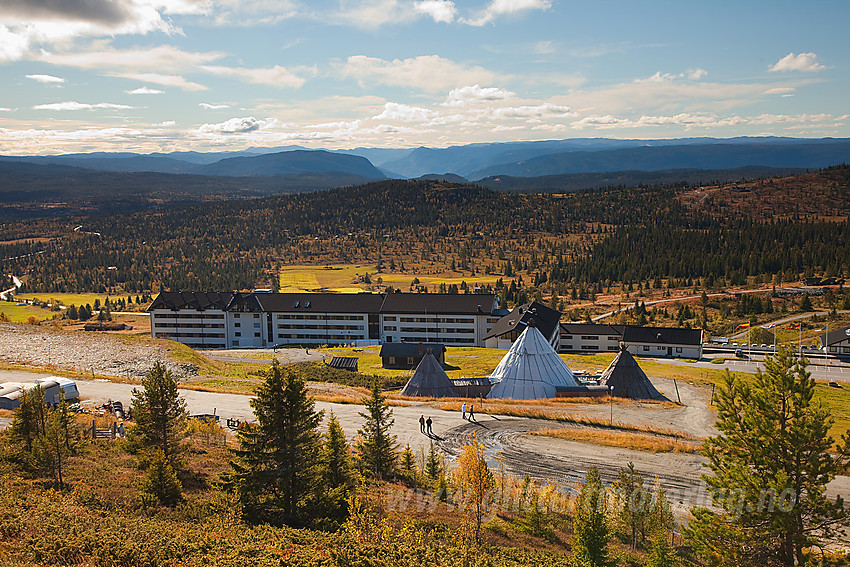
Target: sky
(215, 75)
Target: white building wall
(319, 328)
(665, 350)
(198, 329)
(588, 343)
(451, 330)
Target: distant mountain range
(548, 166)
(292, 162)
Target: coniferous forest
(779, 228)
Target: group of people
(425, 424)
(470, 415)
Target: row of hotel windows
(427, 330)
(430, 319)
(321, 317)
(319, 328)
(589, 338)
(589, 347)
(188, 316)
(447, 340)
(314, 337)
(181, 335)
(189, 325)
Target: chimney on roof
(421, 348)
(532, 322)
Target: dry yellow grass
(345, 278)
(636, 441)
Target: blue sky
(165, 75)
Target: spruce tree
(377, 446)
(769, 469)
(160, 484)
(336, 472)
(160, 414)
(408, 465)
(275, 470)
(592, 534)
(432, 463)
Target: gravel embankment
(94, 353)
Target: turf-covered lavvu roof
(628, 379)
(429, 380)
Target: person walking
(428, 423)
(463, 410)
(471, 414)
(421, 424)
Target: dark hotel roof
(434, 303)
(545, 318)
(192, 300)
(662, 335)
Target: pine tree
(432, 463)
(769, 469)
(377, 446)
(662, 553)
(632, 503)
(275, 474)
(160, 414)
(408, 465)
(592, 534)
(337, 469)
(160, 483)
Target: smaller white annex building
(668, 342)
(837, 342)
(531, 370)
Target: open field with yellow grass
(637, 441)
(350, 278)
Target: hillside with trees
(539, 245)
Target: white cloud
(507, 7)
(162, 59)
(253, 12)
(475, 94)
(276, 76)
(404, 113)
(545, 110)
(704, 121)
(72, 105)
(696, 74)
(806, 62)
(165, 124)
(236, 126)
(164, 80)
(780, 90)
(439, 10)
(208, 106)
(46, 78)
(26, 24)
(430, 73)
(372, 13)
(4, 109)
(144, 90)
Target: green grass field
(20, 314)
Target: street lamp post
(611, 403)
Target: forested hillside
(546, 244)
